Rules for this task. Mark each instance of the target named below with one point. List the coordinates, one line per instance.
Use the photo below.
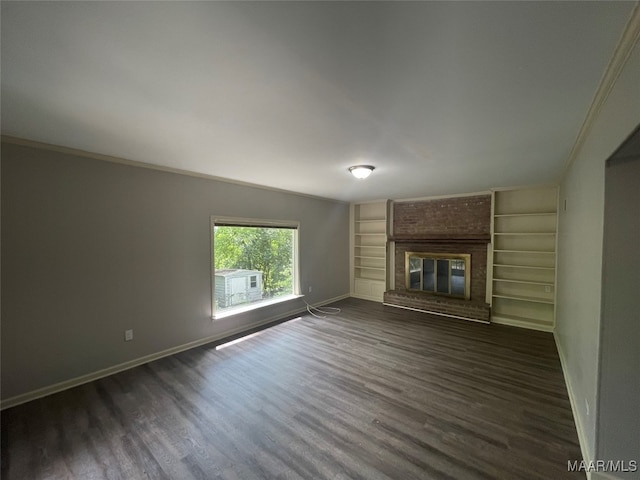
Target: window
(254, 263)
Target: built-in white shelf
(526, 251)
(539, 214)
(523, 266)
(524, 298)
(526, 282)
(523, 276)
(369, 250)
(527, 234)
(526, 321)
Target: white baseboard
(582, 439)
(105, 372)
(515, 323)
(366, 297)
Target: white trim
(628, 40)
(105, 372)
(366, 297)
(391, 276)
(539, 186)
(352, 243)
(472, 194)
(515, 323)
(212, 266)
(366, 202)
(555, 263)
(582, 438)
(135, 163)
(255, 306)
(255, 222)
(436, 313)
(488, 294)
(441, 197)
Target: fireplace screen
(442, 274)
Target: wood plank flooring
(373, 392)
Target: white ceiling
(442, 97)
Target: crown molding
(443, 197)
(134, 163)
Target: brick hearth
(441, 305)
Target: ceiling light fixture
(361, 171)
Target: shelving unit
(524, 257)
(369, 250)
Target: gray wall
(618, 425)
(580, 247)
(91, 248)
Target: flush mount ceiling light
(361, 171)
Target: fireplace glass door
(442, 274)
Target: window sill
(254, 306)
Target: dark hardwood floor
(371, 393)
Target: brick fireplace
(460, 225)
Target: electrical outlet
(128, 335)
(310, 288)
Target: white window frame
(254, 222)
